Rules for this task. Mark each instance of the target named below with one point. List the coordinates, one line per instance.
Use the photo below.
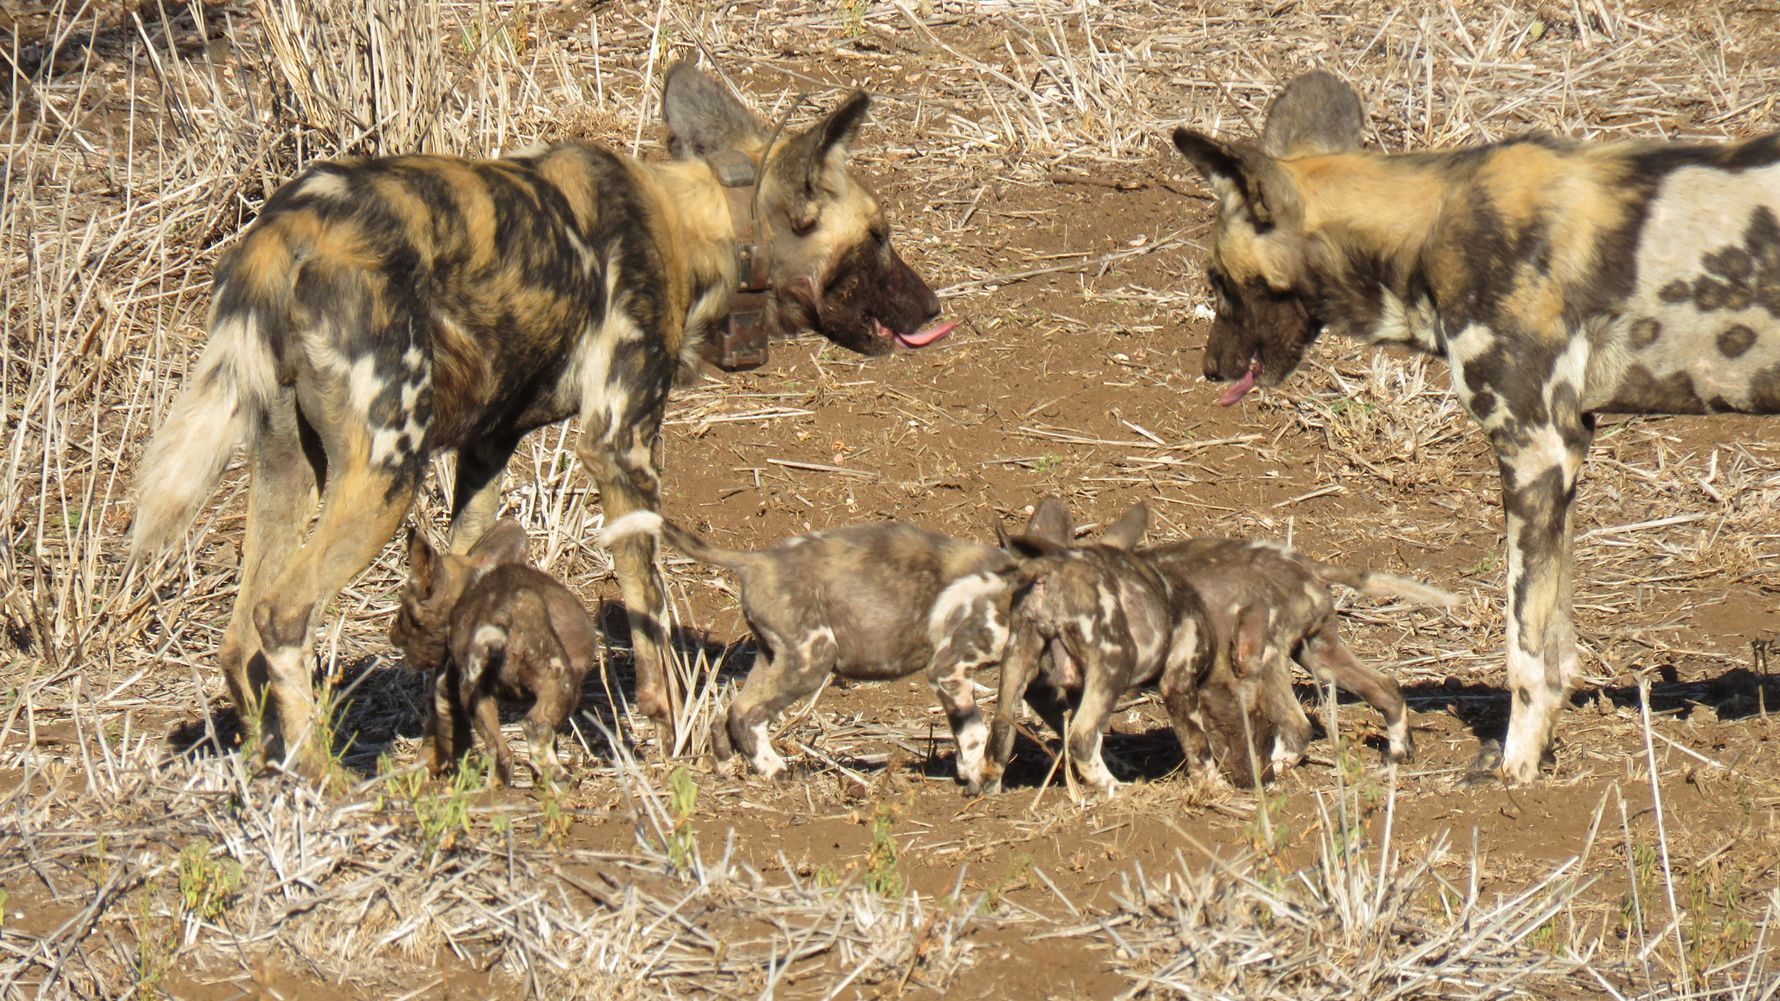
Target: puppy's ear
(503, 543)
(423, 560)
(1127, 532)
(1032, 546)
(1051, 520)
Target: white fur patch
(634, 523)
(230, 386)
(958, 599)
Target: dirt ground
(1077, 273)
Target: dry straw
(139, 138)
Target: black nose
(929, 303)
(1212, 374)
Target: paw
(1486, 768)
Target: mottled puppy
(867, 602)
(1111, 622)
(1266, 603)
(491, 627)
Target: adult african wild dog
(1558, 281)
(382, 309)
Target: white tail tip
(634, 523)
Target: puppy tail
(685, 540)
(228, 390)
(1384, 585)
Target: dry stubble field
(1020, 148)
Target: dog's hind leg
(287, 462)
(1257, 659)
(362, 506)
(1539, 482)
(476, 489)
(1101, 687)
(1328, 659)
(793, 671)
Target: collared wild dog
(489, 626)
(380, 310)
(1558, 281)
(868, 602)
(1268, 603)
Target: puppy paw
(1486, 768)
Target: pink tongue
(1239, 388)
(927, 335)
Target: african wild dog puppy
(1109, 622)
(1268, 602)
(867, 602)
(1558, 281)
(380, 310)
(490, 627)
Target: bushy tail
(686, 541)
(230, 387)
(1383, 585)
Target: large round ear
(702, 116)
(505, 542)
(1316, 113)
(804, 159)
(1051, 520)
(1244, 178)
(1032, 547)
(1127, 532)
(423, 560)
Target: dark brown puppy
(1110, 623)
(491, 627)
(867, 602)
(1266, 603)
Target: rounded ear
(1127, 532)
(702, 116)
(805, 158)
(1316, 113)
(1032, 547)
(422, 560)
(1051, 520)
(1244, 178)
(505, 542)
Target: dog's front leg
(1018, 669)
(1539, 476)
(627, 483)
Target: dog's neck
(707, 227)
(1369, 223)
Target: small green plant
(682, 798)
(826, 876)
(853, 16)
(1014, 874)
(1044, 463)
(156, 943)
(554, 821)
(883, 873)
(206, 884)
(444, 815)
